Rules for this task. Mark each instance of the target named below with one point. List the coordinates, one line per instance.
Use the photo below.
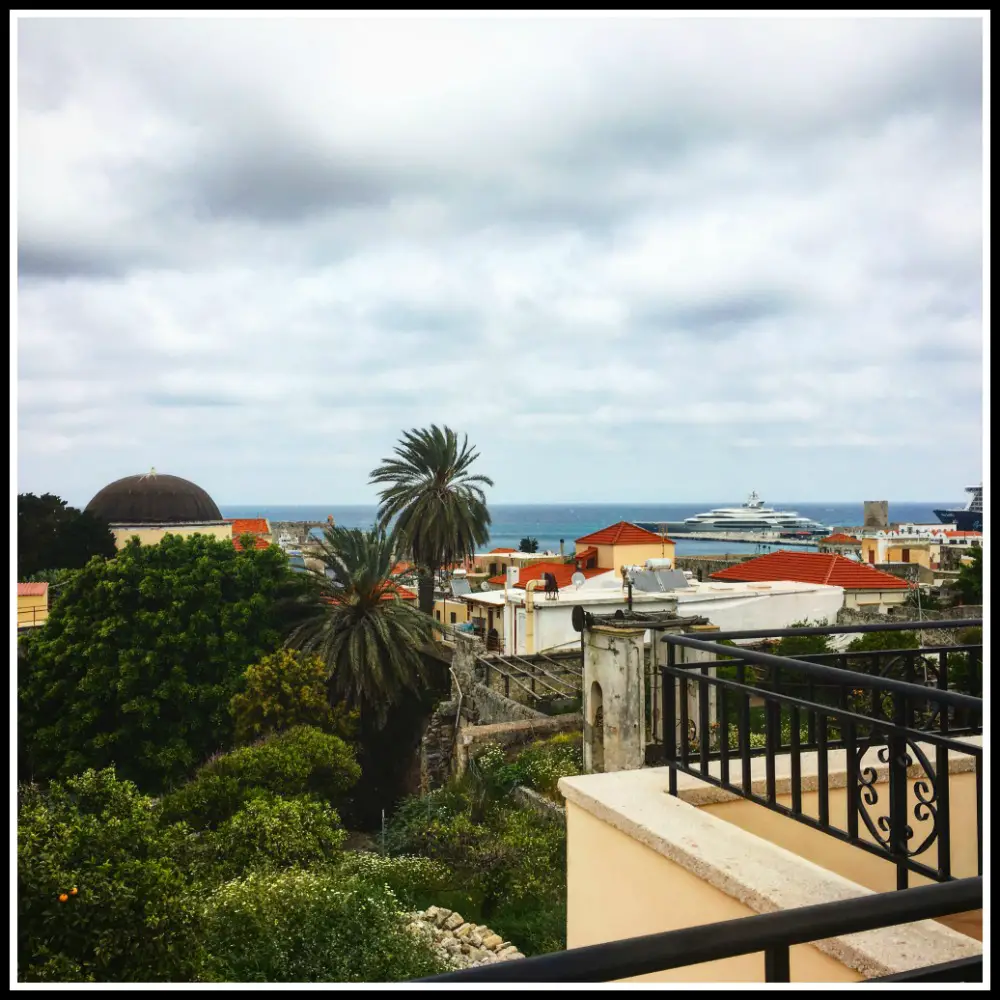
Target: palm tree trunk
(425, 591)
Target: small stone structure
(459, 944)
(476, 715)
(704, 566)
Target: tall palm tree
(439, 508)
(370, 639)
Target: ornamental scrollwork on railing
(925, 789)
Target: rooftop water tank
(655, 564)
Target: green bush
(139, 657)
(511, 861)
(129, 910)
(538, 766)
(285, 690)
(309, 926)
(416, 881)
(297, 762)
(274, 832)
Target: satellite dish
(484, 586)
(578, 580)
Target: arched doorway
(596, 720)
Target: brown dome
(153, 499)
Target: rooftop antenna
(484, 587)
(578, 580)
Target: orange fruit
(74, 891)
(63, 897)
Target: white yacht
(751, 516)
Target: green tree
(528, 545)
(286, 689)
(103, 889)
(871, 641)
(301, 761)
(438, 507)
(138, 660)
(803, 645)
(370, 641)
(52, 535)
(970, 578)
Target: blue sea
(551, 522)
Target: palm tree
(371, 640)
(439, 508)
(529, 545)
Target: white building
(528, 623)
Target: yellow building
(623, 544)
(150, 506)
(885, 548)
(32, 604)
(450, 610)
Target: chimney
(562, 546)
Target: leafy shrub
(274, 832)
(416, 881)
(309, 926)
(284, 690)
(511, 861)
(139, 657)
(297, 762)
(538, 766)
(803, 645)
(128, 912)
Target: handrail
(836, 674)
(921, 626)
(772, 933)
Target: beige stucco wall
(443, 610)
(874, 600)
(616, 556)
(866, 869)
(151, 536)
(619, 888)
(32, 609)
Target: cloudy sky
(650, 260)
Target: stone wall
(459, 944)
(707, 565)
(437, 747)
(489, 706)
(930, 637)
(528, 798)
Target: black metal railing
(780, 707)
(773, 934)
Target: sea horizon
(552, 523)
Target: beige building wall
(616, 556)
(32, 609)
(444, 609)
(151, 535)
(619, 888)
(874, 600)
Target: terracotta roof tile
(501, 551)
(840, 538)
(964, 534)
(582, 555)
(812, 567)
(32, 589)
(563, 572)
(622, 533)
(250, 525)
(400, 568)
(261, 543)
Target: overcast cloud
(657, 260)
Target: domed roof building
(151, 505)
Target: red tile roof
(582, 555)
(32, 589)
(494, 551)
(563, 572)
(390, 593)
(400, 568)
(622, 533)
(250, 525)
(260, 544)
(840, 538)
(812, 567)
(964, 534)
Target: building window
(454, 617)
(906, 555)
(437, 615)
(493, 569)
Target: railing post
(898, 793)
(669, 721)
(777, 964)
